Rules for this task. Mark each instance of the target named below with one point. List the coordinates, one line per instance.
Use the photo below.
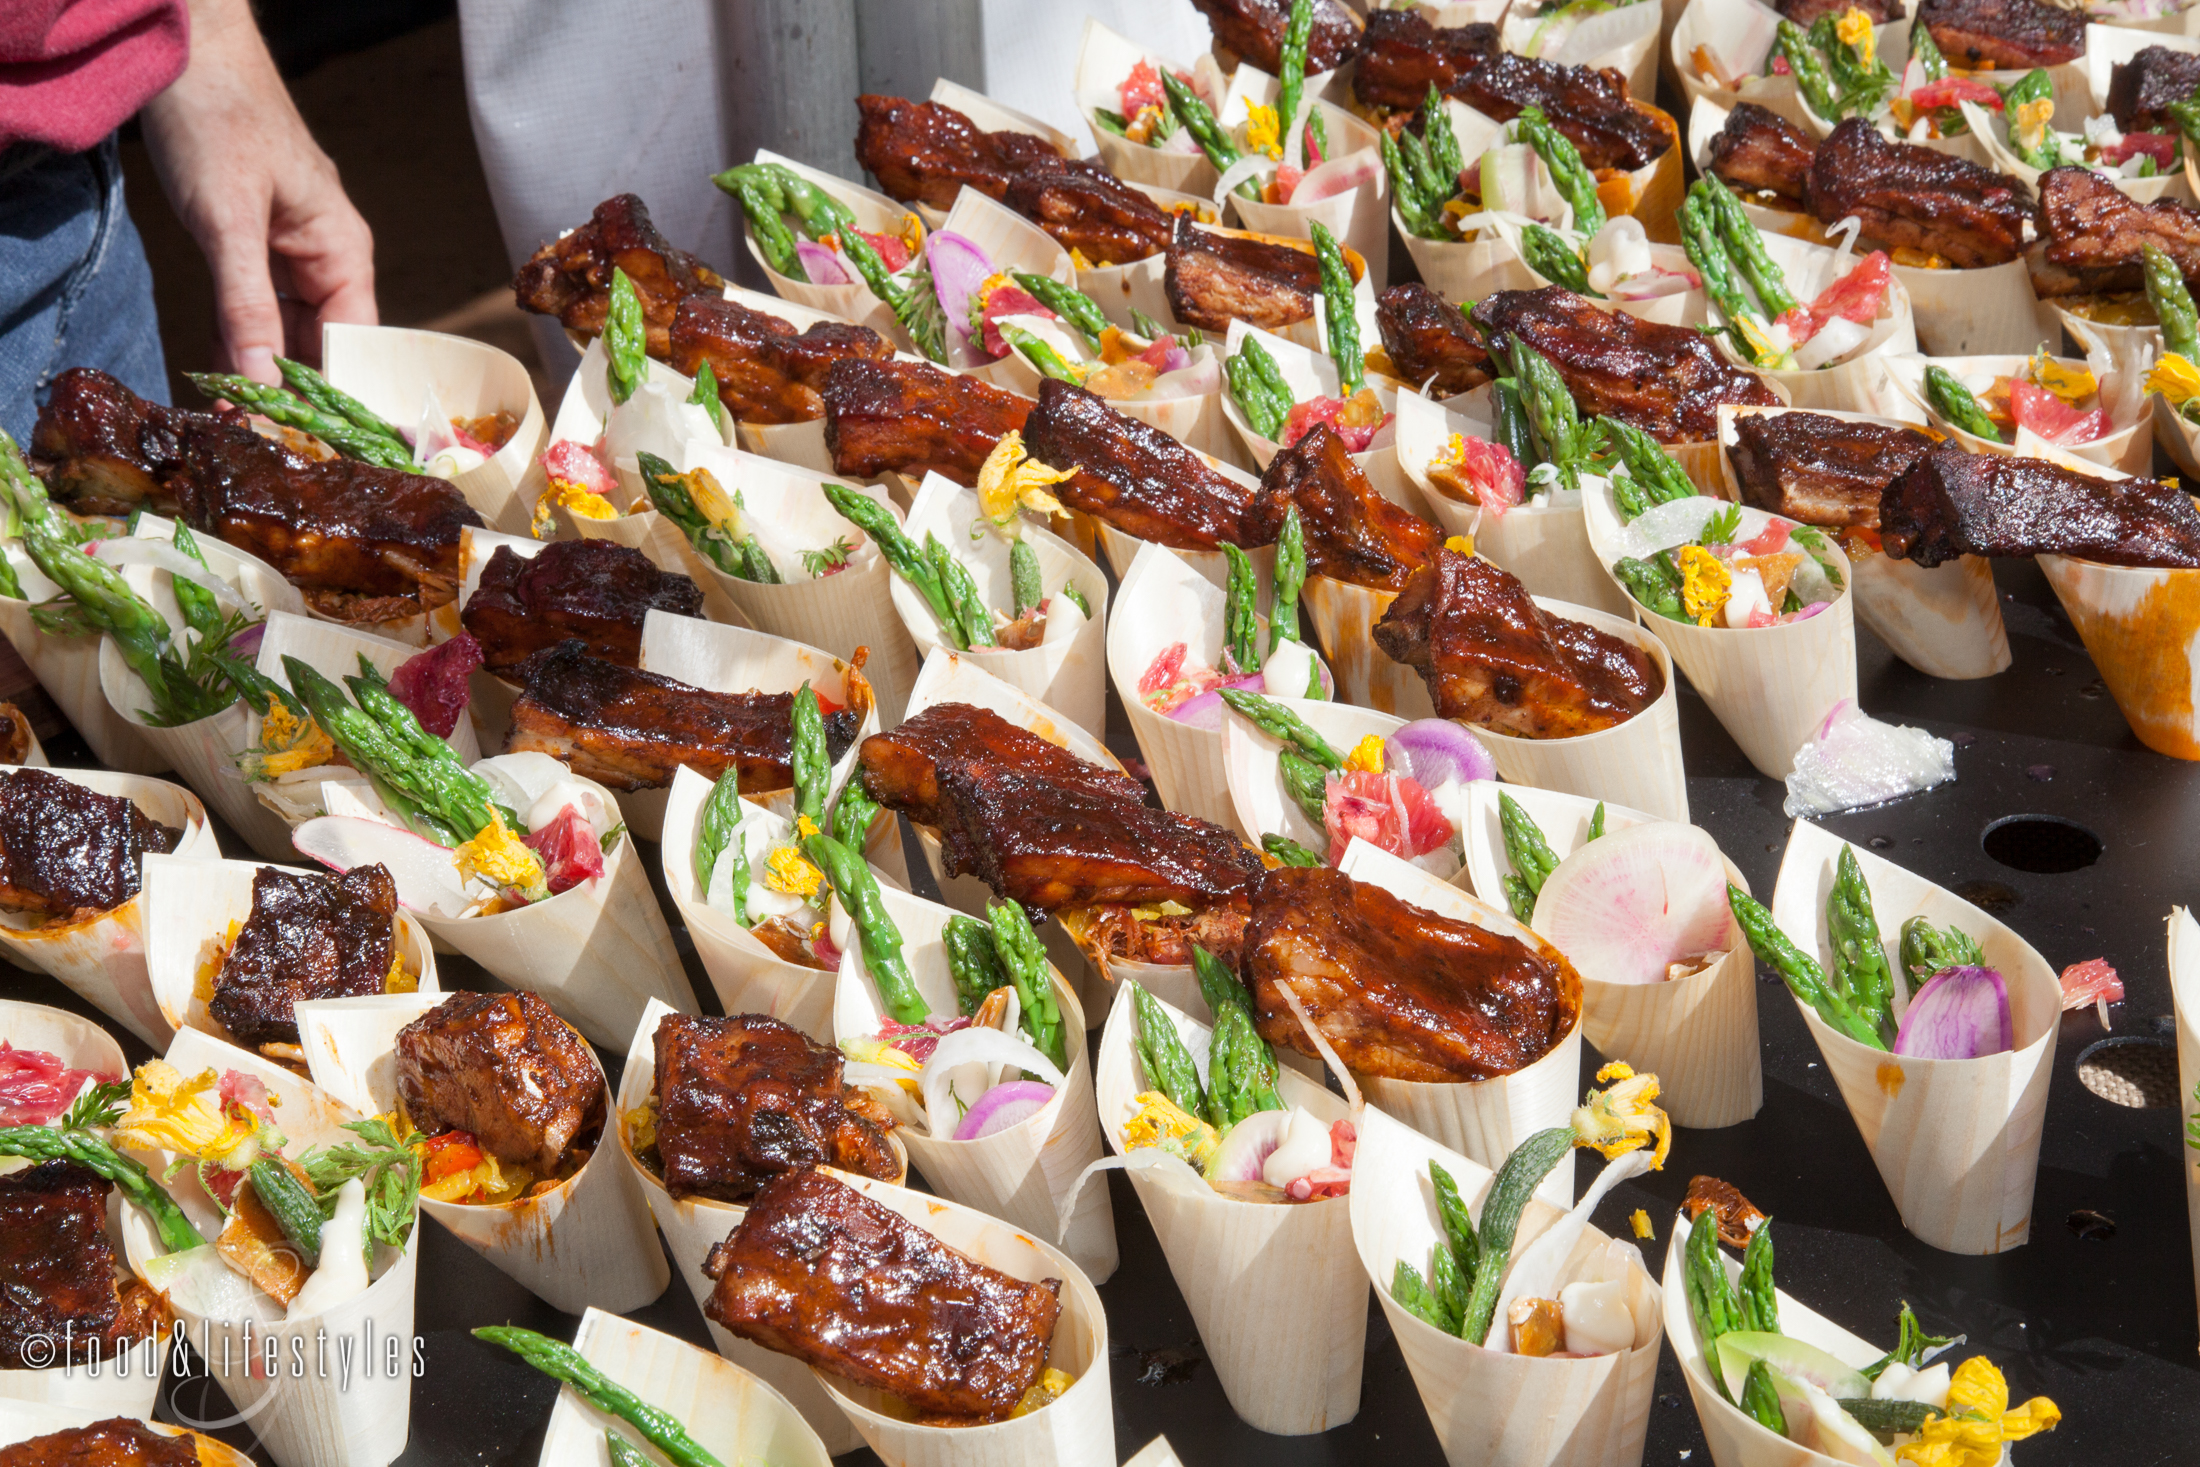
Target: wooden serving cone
(67, 667)
(875, 214)
(1104, 60)
(1310, 374)
(1275, 1293)
(1256, 789)
(1956, 1141)
(2184, 985)
(587, 1239)
(102, 959)
(1495, 1408)
(1359, 215)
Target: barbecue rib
(1666, 380)
(364, 543)
(1428, 338)
(1820, 470)
(1589, 105)
(570, 277)
(1133, 475)
(57, 1272)
(1254, 30)
(1353, 534)
(309, 936)
(1216, 276)
(2141, 90)
(744, 1099)
(506, 1069)
(2093, 234)
(1909, 195)
(596, 590)
(1088, 209)
(912, 418)
(1399, 992)
(1041, 826)
(118, 1441)
(2004, 35)
(1761, 152)
(629, 729)
(821, 1272)
(1402, 56)
(67, 853)
(1953, 503)
(1494, 659)
(767, 371)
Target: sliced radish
(1003, 1107)
(425, 873)
(1626, 907)
(1246, 1147)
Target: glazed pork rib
(819, 1271)
(1353, 534)
(505, 1068)
(1761, 152)
(1216, 276)
(1953, 503)
(1909, 195)
(1666, 380)
(596, 590)
(1820, 470)
(767, 371)
(2004, 35)
(2141, 90)
(308, 936)
(1254, 30)
(1494, 659)
(1399, 992)
(118, 1441)
(57, 1272)
(1088, 209)
(1589, 105)
(1134, 476)
(1402, 56)
(570, 277)
(2093, 236)
(631, 729)
(1428, 338)
(913, 418)
(926, 152)
(68, 853)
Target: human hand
(287, 250)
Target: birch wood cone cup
(587, 1242)
(1956, 1141)
(1493, 1408)
(1622, 40)
(1484, 1119)
(23, 1421)
(316, 1419)
(692, 1226)
(2184, 985)
(1945, 622)
(1309, 374)
(1274, 1289)
(1850, 382)
(875, 214)
(1264, 807)
(102, 959)
(1653, 192)
(2138, 626)
(1104, 62)
(1349, 194)
(2127, 449)
(1027, 1172)
(730, 1413)
(1717, 50)
(67, 667)
(1343, 618)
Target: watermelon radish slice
(425, 873)
(1625, 907)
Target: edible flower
(1463, 544)
(189, 1116)
(1263, 132)
(1160, 1122)
(400, 979)
(1485, 471)
(2028, 124)
(1767, 350)
(2072, 384)
(1367, 754)
(1855, 30)
(497, 857)
(1623, 1117)
(1010, 480)
(712, 501)
(288, 744)
(2175, 378)
(790, 873)
(1979, 1421)
(578, 483)
(1705, 584)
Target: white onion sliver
(974, 1046)
(1534, 1274)
(162, 555)
(1253, 165)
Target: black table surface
(2103, 1319)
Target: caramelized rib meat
(308, 936)
(2093, 236)
(1399, 992)
(1254, 30)
(1131, 474)
(1907, 194)
(2141, 90)
(821, 1272)
(16, 734)
(925, 152)
(631, 729)
(1761, 152)
(506, 1069)
(767, 371)
(68, 853)
(118, 1441)
(744, 1099)
(1039, 825)
(598, 591)
(1402, 56)
(57, 1271)
(1820, 470)
(2004, 35)
(1589, 105)
(1954, 503)
(1666, 380)
(570, 277)
(1428, 338)
(1088, 209)
(912, 418)
(1214, 277)
(1492, 658)
(1353, 534)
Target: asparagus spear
(811, 768)
(625, 337)
(1443, 143)
(1306, 783)
(1532, 859)
(1658, 479)
(1025, 584)
(1549, 256)
(1217, 984)
(1337, 311)
(1298, 27)
(1575, 182)
(1760, 1300)
(1561, 437)
(2172, 304)
(972, 623)
(1712, 1302)
(1241, 626)
(856, 889)
(1860, 971)
(705, 395)
(1422, 216)
(1044, 359)
(562, 1362)
(668, 494)
(292, 411)
(1257, 385)
(1168, 1064)
(1289, 851)
(901, 552)
(1271, 717)
(1811, 80)
(1925, 51)
(1068, 302)
(1746, 246)
(720, 839)
(1199, 120)
(1241, 1070)
(1700, 238)
(1023, 958)
(971, 961)
(1648, 583)
(1953, 401)
(1283, 615)
(50, 1143)
(1804, 978)
(331, 399)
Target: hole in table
(2047, 844)
(2136, 1072)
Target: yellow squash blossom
(1769, 353)
(1464, 544)
(2072, 384)
(288, 744)
(1623, 1116)
(575, 498)
(400, 979)
(171, 1113)
(1855, 30)
(1161, 1122)
(1367, 754)
(1979, 1421)
(1010, 480)
(1706, 584)
(713, 503)
(497, 857)
(2176, 379)
(2028, 127)
(790, 873)
(1263, 133)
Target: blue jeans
(75, 290)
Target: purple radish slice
(1003, 1107)
(425, 873)
(821, 264)
(959, 267)
(1625, 907)
(1435, 751)
(1205, 711)
(1246, 1147)
(1960, 1013)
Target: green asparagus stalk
(971, 961)
(1793, 43)
(1338, 311)
(1168, 1064)
(668, 495)
(1575, 182)
(1025, 584)
(720, 840)
(1283, 615)
(1289, 851)
(1531, 1161)
(371, 750)
(1443, 143)
(1658, 479)
(1549, 256)
(625, 338)
(1258, 388)
(901, 552)
(1953, 401)
(1926, 950)
(1272, 718)
(1217, 984)
(1746, 246)
(1860, 972)
(562, 1362)
(50, 1143)
(1412, 1294)
(1298, 28)
(1925, 51)
(1700, 238)
(1076, 598)
(1761, 1399)
(463, 796)
(1459, 1230)
(857, 891)
(764, 208)
(812, 769)
(853, 815)
(1511, 425)
(1423, 219)
(1044, 359)
(973, 620)
(1240, 620)
(1648, 583)
(1241, 1070)
(1712, 1302)
(705, 395)
(331, 399)
(1068, 302)
(1305, 782)
(1596, 823)
(1199, 120)
(1532, 859)
(1804, 978)
(2172, 303)
(280, 406)
(1759, 1299)
(1561, 437)
(1024, 959)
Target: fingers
(245, 305)
(325, 247)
